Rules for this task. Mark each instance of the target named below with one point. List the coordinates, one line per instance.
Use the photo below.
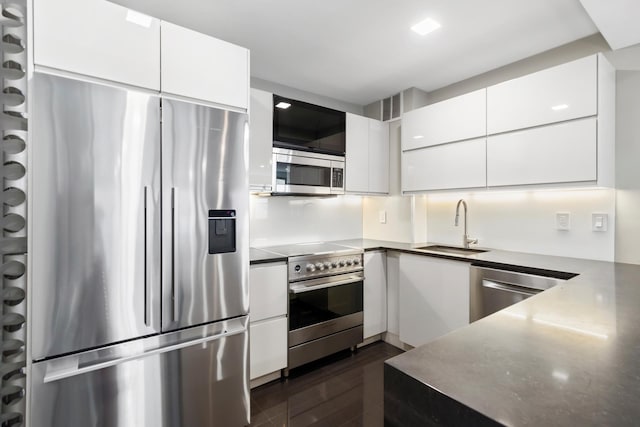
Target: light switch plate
(382, 216)
(563, 221)
(599, 221)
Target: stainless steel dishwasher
(492, 290)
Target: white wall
(525, 221)
(627, 247)
(282, 220)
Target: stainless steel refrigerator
(139, 259)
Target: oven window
(294, 174)
(310, 308)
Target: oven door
(299, 174)
(322, 307)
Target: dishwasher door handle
(509, 288)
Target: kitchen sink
(452, 250)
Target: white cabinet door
(375, 293)
(367, 158)
(357, 156)
(268, 288)
(201, 67)
(97, 38)
(556, 94)
(260, 140)
(393, 280)
(449, 166)
(378, 157)
(563, 152)
(434, 297)
(456, 119)
(267, 346)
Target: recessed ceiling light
(283, 105)
(559, 107)
(139, 18)
(418, 137)
(426, 26)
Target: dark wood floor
(342, 390)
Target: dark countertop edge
(522, 262)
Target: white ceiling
(617, 20)
(359, 51)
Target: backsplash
(525, 221)
(283, 220)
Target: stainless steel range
(325, 300)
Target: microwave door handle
(298, 289)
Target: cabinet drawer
(564, 152)
(565, 92)
(456, 119)
(455, 165)
(268, 291)
(97, 38)
(268, 346)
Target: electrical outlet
(382, 216)
(563, 221)
(599, 221)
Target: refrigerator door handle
(174, 302)
(54, 374)
(146, 262)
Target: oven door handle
(298, 289)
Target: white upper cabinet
(97, 38)
(378, 157)
(443, 167)
(357, 154)
(260, 140)
(558, 153)
(367, 155)
(564, 92)
(456, 119)
(201, 67)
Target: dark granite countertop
(565, 357)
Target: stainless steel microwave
(302, 172)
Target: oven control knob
(356, 261)
(342, 263)
(327, 265)
(320, 266)
(334, 264)
(349, 262)
(311, 268)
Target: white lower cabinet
(433, 297)
(443, 167)
(375, 293)
(558, 153)
(268, 327)
(268, 346)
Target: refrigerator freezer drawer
(195, 377)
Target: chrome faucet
(465, 238)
